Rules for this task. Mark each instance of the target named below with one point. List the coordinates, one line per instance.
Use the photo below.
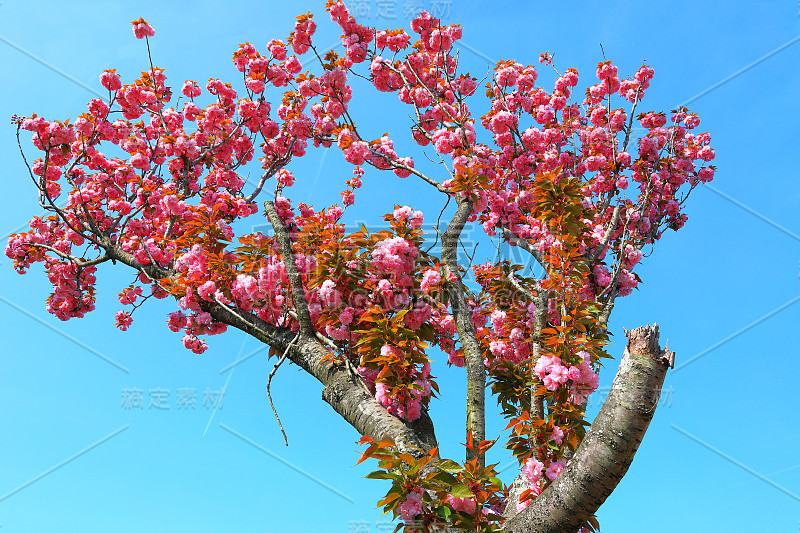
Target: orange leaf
(367, 453)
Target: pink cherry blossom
(142, 29)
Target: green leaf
(448, 465)
(444, 477)
(495, 481)
(460, 490)
(379, 474)
(444, 512)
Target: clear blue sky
(721, 453)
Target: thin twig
(606, 238)
(438, 223)
(352, 369)
(269, 382)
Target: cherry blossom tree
(152, 180)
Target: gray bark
(609, 446)
(343, 390)
(473, 357)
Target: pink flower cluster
(142, 29)
(553, 373)
(411, 506)
(355, 37)
(303, 30)
(395, 257)
(466, 505)
(534, 472)
(407, 402)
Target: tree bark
(608, 448)
(295, 279)
(473, 357)
(343, 391)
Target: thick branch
(605, 313)
(152, 269)
(295, 280)
(522, 243)
(540, 314)
(476, 373)
(342, 391)
(522, 290)
(609, 446)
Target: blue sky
(721, 452)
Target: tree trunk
(608, 447)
